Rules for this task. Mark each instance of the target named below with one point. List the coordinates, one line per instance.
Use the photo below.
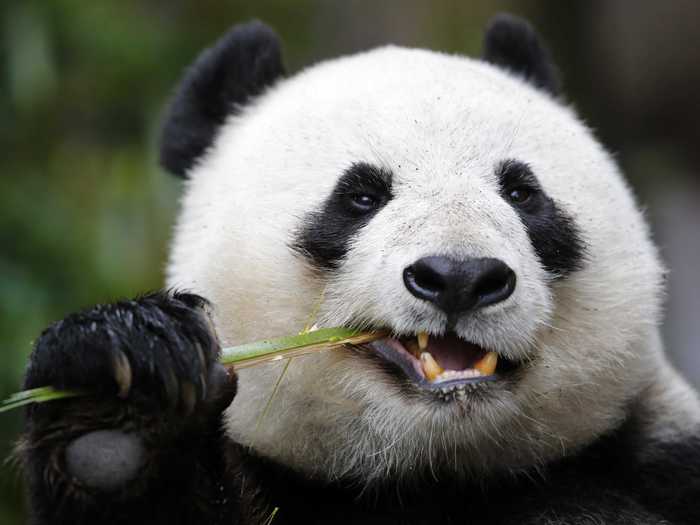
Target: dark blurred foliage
(86, 213)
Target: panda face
(463, 293)
(462, 210)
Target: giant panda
(458, 204)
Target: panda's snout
(456, 286)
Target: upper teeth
(422, 340)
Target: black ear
(240, 65)
(512, 43)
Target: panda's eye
(363, 202)
(520, 195)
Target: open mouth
(442, 363)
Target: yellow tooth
(487, 364)
(430, 367)
(422, 340)
(412, 347)
(122, 373)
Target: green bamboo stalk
(34, 395)
(242, 356)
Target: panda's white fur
(440, 124)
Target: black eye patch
(360, 193)
(554, 234)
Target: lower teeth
(469, 373)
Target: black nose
(457, 286)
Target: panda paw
(157, 353)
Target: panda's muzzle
(455, 287)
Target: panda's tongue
(453, 353)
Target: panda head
(419, 193)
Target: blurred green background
(85, 212)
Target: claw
(188, 397)
(170, 384)
(121, 368)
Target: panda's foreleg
(144, 443)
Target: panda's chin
(443, 364)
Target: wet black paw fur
(158, 351)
